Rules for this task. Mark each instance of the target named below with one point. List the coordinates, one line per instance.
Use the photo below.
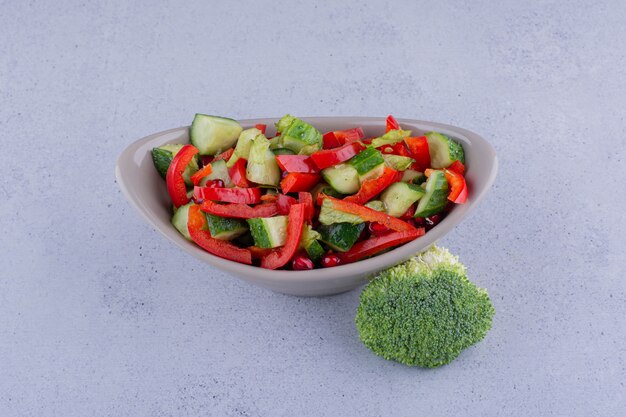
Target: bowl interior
(146, 191)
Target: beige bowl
(146, 191)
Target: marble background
(100, 316)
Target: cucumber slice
(180, 218)
(225, 229)
(344, 178)
(376, 205)
(262, 167)
(390, 138)
(268, 232)
(276, 143)
(309, 242)
(219, 172)
(341, 236)
(213, 134)
(399, 196)
(243, 145)
(368, 163)
(443, 150)
(298, 135)
(398, 162)
(436, 197)
(315, 250)
(283, 151)
(162, 158)
(413, 176)
(329, 215)
(325, 189)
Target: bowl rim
(319, 275)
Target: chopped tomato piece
(282, 255)
(262, 127)
(239, 211)
(174, 179)
(298, 181)
(196, 224)
(326, 158)
(296, 163)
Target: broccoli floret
(423, 312)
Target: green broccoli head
(423, 312)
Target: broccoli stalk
(423, 312)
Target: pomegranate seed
(433, 220)
(419, 221)
(301, 263)
(330, 260)
(206, 160)
(377, 229)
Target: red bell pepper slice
(392, 123)
(282, 255)
(174, 178)
(369, 215)
(458, 187)
(326, 158)
(224, 155)
(418, 148)
(307, 199)
(457, 167)
(409, 213)
(374, 245)
(237, 173)
(239, 211)
(259, 253)
(296, 163)
(342, 137)
(372, 187)
(196, 224)
(228, 195)
(299, 181)
(197, 177)
(261, 127)
(396, 149)
(330, 141)
(284, 203)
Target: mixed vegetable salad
(303, 199)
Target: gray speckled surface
(100, 316)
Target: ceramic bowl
(146, 191)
